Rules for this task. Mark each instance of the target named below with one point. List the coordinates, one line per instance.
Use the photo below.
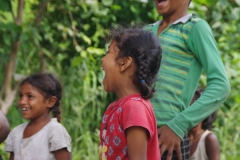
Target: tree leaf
(5, 5)
(238, 2)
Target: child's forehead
(112, 45)
(27, 87)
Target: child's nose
(22, 101)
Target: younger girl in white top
(43, 138)
(204, 143)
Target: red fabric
(120, 115)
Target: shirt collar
(184, 19)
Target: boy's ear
(125, 63)
(51, 101)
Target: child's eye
(20, 95)
(30, 96)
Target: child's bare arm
(11, 156)
(137, 143)
(62, 154)
(212, 147)
(4, 127)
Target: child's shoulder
(188, 21)
(195, 18)
(211, 143)
(210, 137)
(195, 21)
(136, 100)
(54, 126)
(56, 129)
(133, 97)
(20, 127)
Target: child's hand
(169, 141)
(101, 153)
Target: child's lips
(25, 108)
(161, 2)
(102, 68)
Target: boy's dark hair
(48, 86)
(206, 123)
(144, 48)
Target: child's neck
(126, 93)
(196, 132)
(194, 135)
(35, 125)
(40, 122)
(126, 88)
(168, 20)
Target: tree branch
(37, 22)
(10, 68)
(40, 13)
(74, 29)
(10, 92)
(20, 12)
(13, 16)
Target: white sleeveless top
(200, 152)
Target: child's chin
(27, 118)
(106, 89)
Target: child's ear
(125, 63)
(51, 101)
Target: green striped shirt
(188, 47)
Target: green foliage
(5, 5)
(71, 39)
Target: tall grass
(227, 130)
(84, 104)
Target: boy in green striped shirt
(188, 48)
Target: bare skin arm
(212, 147)
(137, 143)
(4, 127)
(169, 141)
(62, 154)
(11, 156)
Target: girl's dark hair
(48, 86)
(206, 123)
(144, 47)
(190, 2)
